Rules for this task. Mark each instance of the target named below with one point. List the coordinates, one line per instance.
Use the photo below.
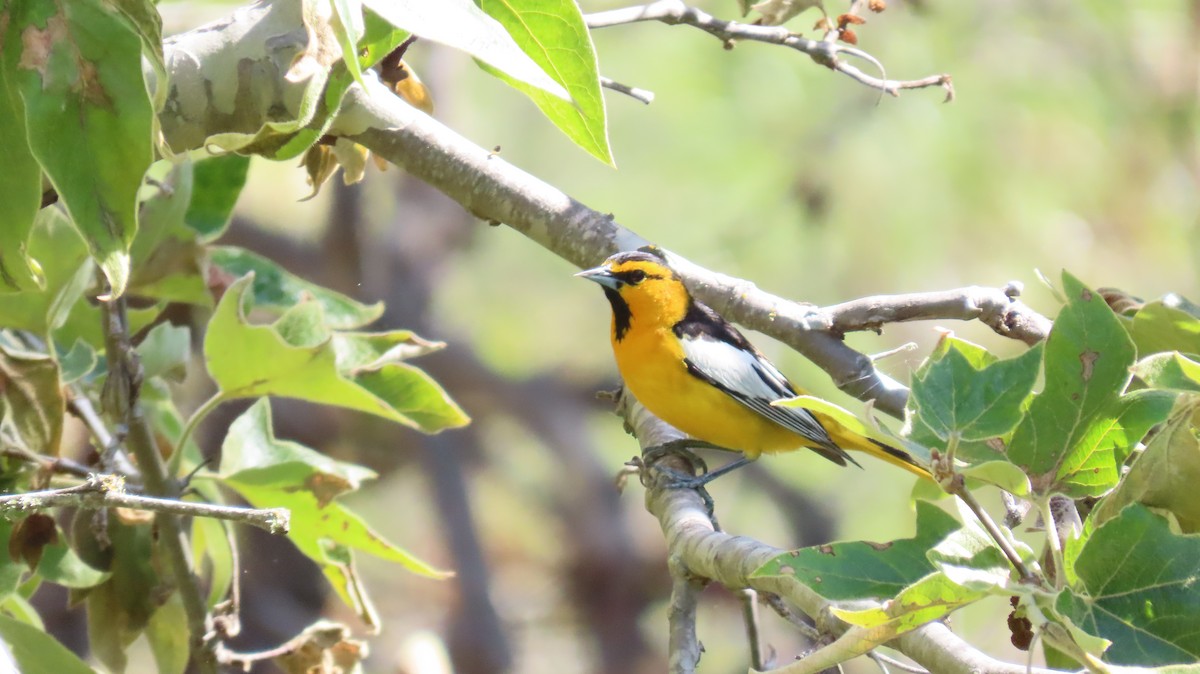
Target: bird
(694, 370)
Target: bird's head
(641, 287)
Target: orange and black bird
(695, 371)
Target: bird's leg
(699, 481)
(682, 448)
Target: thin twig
(122, 388)
(53, 464)
(784, 611)
(749, 599)
(640, 95)
(825, 52)
(958, 489)
(109, 492)
(684, 646)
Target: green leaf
(212, 540)
(60, 565)
(952, 396)
(860, 570)
(79, 71)
(31, 401)
(217, 184)
(1166, 474)
(253, 455)
(933, 597)
(165, 351)
(1088, 355)
(1139, 588)
(970, 558)
(166, 254)
(270, 473)
(463, 26)
(278, 290)
(119, 609)
(36, 652)
(1170, 370)
(63, 255)
(21, 189)
(554, 35)
(1000, 473)
(296, 358)
(1158, 327)
(169, 638)
(348, 28)
(78, 362)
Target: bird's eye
(636, 276)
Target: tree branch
(109, 492)
(496, 191)
(730, 560)
(824, 52)
(122, 387)
(483, 183)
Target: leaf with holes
(863, 570)
(1065, 442)
(78, 68)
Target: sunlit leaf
(930, 598)
(20, 190)
(952, 396)
(79, 72)
(218, 183)
(1088, 355)
(296, 358)
(278, 290)
(1139, 587)
(270, 473)
(1158, 327)
(463, 26)
(1166, 474)
(553, 34)
(1169, 370)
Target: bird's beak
(602, 276)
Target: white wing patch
(753, 382)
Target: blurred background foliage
(1073, 143)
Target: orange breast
(652, 363)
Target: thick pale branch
(730, 560)
(999, 309)
(496, 191)
(108, 492)
(483, 183)
(824, 52)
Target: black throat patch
(622, 316)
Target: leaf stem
(1053, 541)
(176, 461)
(957, 488)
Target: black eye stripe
(635, 276)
